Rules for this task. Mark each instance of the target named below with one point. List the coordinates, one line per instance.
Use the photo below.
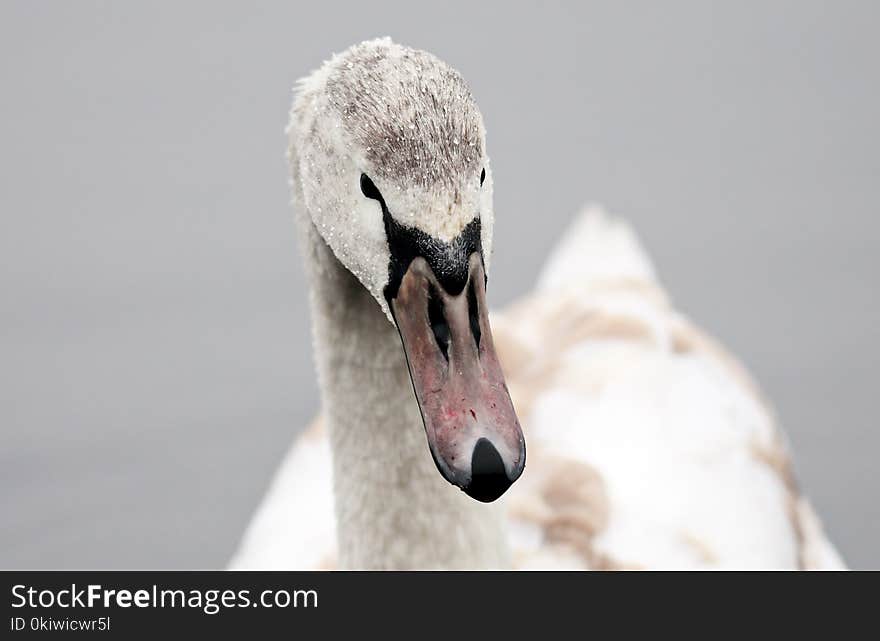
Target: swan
(648, 445)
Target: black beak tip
(489, 478)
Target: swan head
(388, 158)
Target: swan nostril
(474, 314)
(489, 478)
(438, 323)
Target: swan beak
(472, 429)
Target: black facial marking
(369, 189)
(448, 261)
(482, 176)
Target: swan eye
(369, 189)
(482, 176)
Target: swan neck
(393, 509)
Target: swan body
(648, 445)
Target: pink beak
(472, 429)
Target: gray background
(155, 355)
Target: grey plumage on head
(409, 122)
(413, 115)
